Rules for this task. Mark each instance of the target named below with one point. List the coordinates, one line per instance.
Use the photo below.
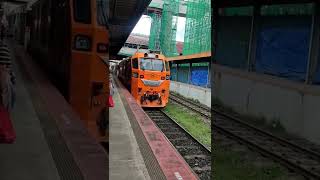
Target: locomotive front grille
(152, 83)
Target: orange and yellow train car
(70, 40)
(147, 76)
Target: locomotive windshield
(151, 64)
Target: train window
(151, 64)
(167, 66)
(102, 11)
(82, 11)
(135, 64)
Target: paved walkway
(52, 142)
(126, 161)
(29, 158)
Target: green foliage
(229, 165)
(192, 122)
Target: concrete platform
(160, 157)
(125, 161)
(29, 158)
(52, 143)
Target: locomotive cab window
(82, 11)
(135, 64)
(151, 64)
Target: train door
(134, 77)
(100, 73)
(59, 45)
(89, 74)
(167, 86)
(128, 73)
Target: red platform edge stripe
(171, 162)
(88, 154)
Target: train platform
(125, 156)
(134, 135)
(51, 143)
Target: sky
(144, 25)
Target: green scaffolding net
(154, 39)
(168, 32)
(197, 36)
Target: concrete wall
(295, 104)
(191, 91)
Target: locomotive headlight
(167, 77)
(135, 75)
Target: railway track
(194, 153)
(299, 159)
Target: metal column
(314, 45)
(253, 38)
(189, 74)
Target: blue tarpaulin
(282, 50)
(199, 76)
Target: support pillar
(253, 38)
(177, 72)
(208, 77)
(214, 34)
(314, 45)
(189, 74)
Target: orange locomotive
(70, 39)
(147, 76)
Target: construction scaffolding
(154, 39)
(197, 36)
(168, 32)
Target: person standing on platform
(6, 88)
(7, 132)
